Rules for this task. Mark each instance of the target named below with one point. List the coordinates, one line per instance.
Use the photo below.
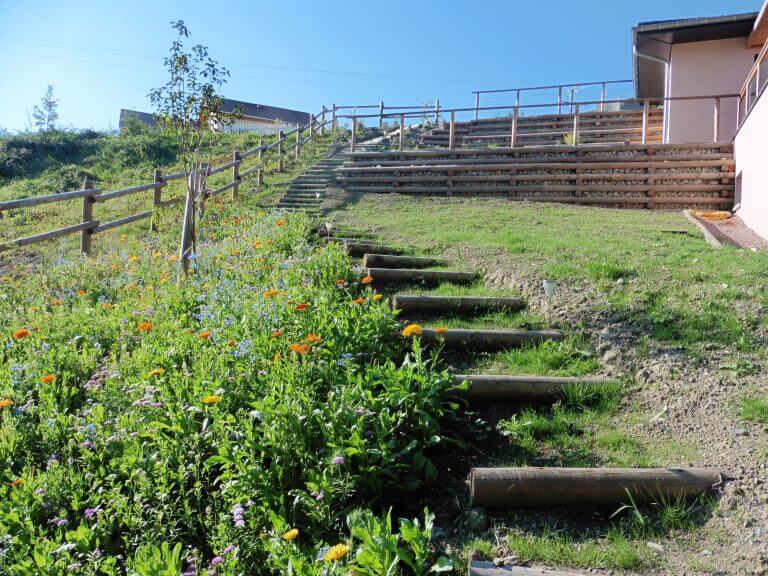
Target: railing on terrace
(754, 85)
(567, 90)
(90, 195)
(515, 113)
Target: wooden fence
(90, 195)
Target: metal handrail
(744, 95)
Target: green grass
(754, 409)
(674, 287)
(570, 357)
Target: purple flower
(338, 460)
(228, 549)
(59, 521)
(87, 444)
(399, 457)
(91, 513)
(217, 560)
(359, 412)
(318, 495)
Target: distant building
(258, 118)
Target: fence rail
(89, 226)
(754, 86)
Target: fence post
(645, 122)
(334, 120)
(260, 172)
(452, 131)
(298, 141)
(280, 138)
(716, 130)
(353, 136)
(559, 99)
(381, 115)
(322, 119)
(156, 198)
(576, 126)
(517, 98)
(235, 172)
(86, 235)
(437, 110)
(477, 105)
(311, 127)
(513, 135)
(402, 131)
(602, 97)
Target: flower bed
(227, 424)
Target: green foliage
(45, 115)
(754, 409)
(213, 415)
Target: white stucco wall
(706, 68)
(752, 168)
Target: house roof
(248, 109)
(759, 34)
(652, 44)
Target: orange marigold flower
(131, 286)
(106, 305)
(256, 244)
(281, 222)
(231, 343)
(412, 330)
(276, 357)
(164, 277)
(235, 252)
(16, 483)
(48, 378)
(6, 403)
(5, 278)
(277, 333)
(145, 326)
(300, 307)
(340, 281)
(376, 296)
(441, 329)
(366, 280)
(212, 399)
(155, 372)
(358, 301)
(56, 302)
(20, 334)
(314, 338)
(205, 334)
(190, 330)
(299, 348)
(80, 292)
(271, 293)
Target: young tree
(45, 115)
(189, 106)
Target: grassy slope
(654, 270)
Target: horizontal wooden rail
(127, 191)
(122, 221)
(48, 235)
(38, 200)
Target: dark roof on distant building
(655, 40)
(144, 117)
(248, 109)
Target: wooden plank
(122, 221)
(38, 200)
(391, 261)
(501, 388)
(175, 176)
(517, 177)
(127, 191)
(48, 235)
(537, 487)
(427, 304)
(357, 248)
(479, 568)
(580, 163)
(224, 188)
(414, 276)
(488, 340)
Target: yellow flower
(412, 330)
(336, 552)
(157, 255)
(231, 342)
(376, 296)
(80, 292)
(292, 534)
(56, 302)
(164, 278)
(314, 338)
(155, 372)
(212, 399)
(6, 403)
(366, 280)
(270, 293)
(281, 222)
(48, 378)
(256, 244)
(133, 258)
(235, 252)
(358, 301)
(5, 278)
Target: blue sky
(103, 55)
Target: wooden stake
(235, 173)
(86, 235)
(298, 141)
(322, 122)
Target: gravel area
(734, 231)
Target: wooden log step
(391, 261)
(488, 340)
(479, 568)
(360, 249)
(426, 304)
(539, 487)
(413, 276)
(501, 388)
